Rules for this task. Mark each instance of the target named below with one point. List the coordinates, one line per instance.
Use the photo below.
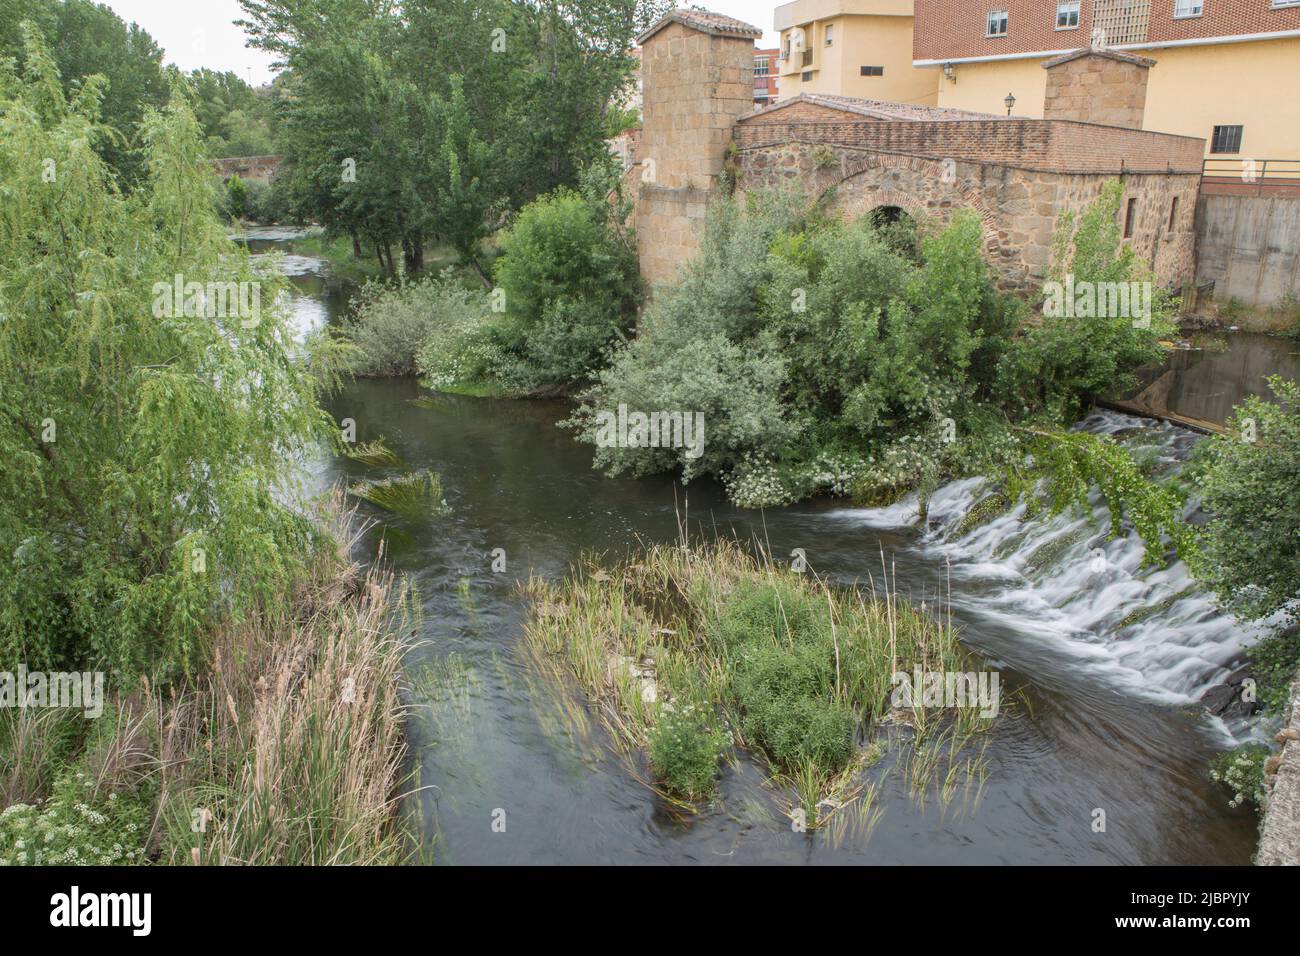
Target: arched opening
(897, 228)
(883, 216)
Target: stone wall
(1092, 87)
(696, 85)
(1279, 835)
(261, 169)
(1019, 207)
(1019, 175)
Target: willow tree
(152, 394)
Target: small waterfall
(1063, 582)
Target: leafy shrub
(785, 693)
(782, 647)
(1274, 663)
(568, 272)
(685, 744)
(392, 325)
(737, 390)
(266, 203)
(1251, 489)
(465, 355)
(761, 614)
(236, 198)
(1067, 359)
(1242, 772)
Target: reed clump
(415, 495)
(687, 653)
(289, 747)
(373, 453)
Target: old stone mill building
(860, 155)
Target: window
(1189, 8)
(1130, 218)
(998, 22)
(761, 66)
(1227, 139)
(1173, 215)
(873, 71)
(830, 34)
(1067, 15)
(806, 76)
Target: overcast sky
(197, 33)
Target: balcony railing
(1251, 177)
(1121, 21)
(806, 58)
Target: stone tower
(697, 71)
(1098, 86)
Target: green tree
(88, 39)
(569, 277)
(457, 112)
(146, 434)
(1249, 482)
(236, 198)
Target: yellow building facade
(1191, 90)
(851, 48)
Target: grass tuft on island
(685, 653)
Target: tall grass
(291, 749)
(415, 495)
(294, 751)
(796, 672)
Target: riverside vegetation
(151, 529)
(847, 359)
(688, 652)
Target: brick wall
(954, 29)
(1024, 143)
(766, 84)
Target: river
(1107, 718)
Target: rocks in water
(1218, 697)
(1229, 699)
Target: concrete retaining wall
(1249, 246)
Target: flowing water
(1108, 660)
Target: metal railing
(1257, 175)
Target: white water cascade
(1062, 581)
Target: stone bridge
(856, 156)
(260, 169)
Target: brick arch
(864, 187)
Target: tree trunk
(474, 264)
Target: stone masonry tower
(697, 71)
(1098, 86)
